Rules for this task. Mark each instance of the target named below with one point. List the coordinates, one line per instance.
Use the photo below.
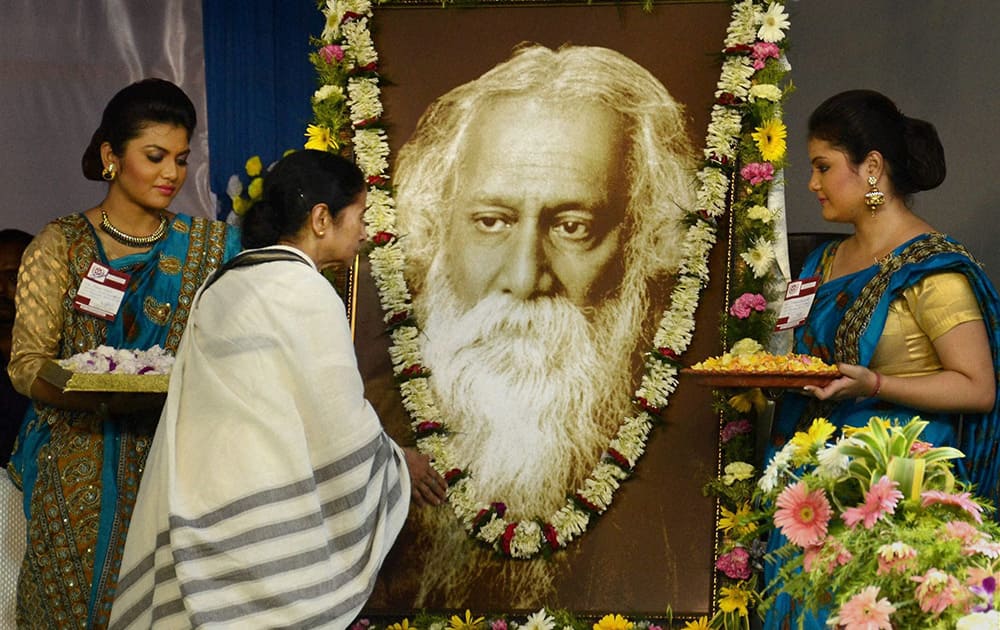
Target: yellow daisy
(770, 138)
(402, 625)
(734, 599)
(815, 436)
(613, 622)
(320, 138)
(699, 624)
(457, 623)
(739, 522)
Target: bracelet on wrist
(878, 386)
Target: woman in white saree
(271, 493)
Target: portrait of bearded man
(539, 205)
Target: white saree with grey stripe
(272, 493)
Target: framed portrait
(651, 551)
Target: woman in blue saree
(906, 312)
(80, 455)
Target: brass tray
(770, 380)
(70, 381)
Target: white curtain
(60, 63)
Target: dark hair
(292, 188)
(13, 236)
(861, 121)
(132, 109)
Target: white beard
(532, 390)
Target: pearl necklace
(128, 239)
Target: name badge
(101, 291)
(799, 296)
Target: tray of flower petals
(107, 369)
(763, 369)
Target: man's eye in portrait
(573, 230)
(492, 223)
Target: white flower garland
(347, 25)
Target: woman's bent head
(313, 200)
(134, 108)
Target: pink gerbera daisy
(802, 515)
(865, 611)
(962, 500)
(937, 590)
(881, 500)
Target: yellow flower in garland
(739, 522)
(770, 138)
(402, 625)
(750, 399)
(457, 623)
(734, 599)
(320, 139)
(699, 624)
(613, 622)
(254, 166)
(815, 436)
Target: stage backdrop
(652, 551)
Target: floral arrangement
(108, 360)
(543, 619)
(879, 531)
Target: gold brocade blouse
(924, 312)
(43, 283)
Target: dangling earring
(874, 197)
(108, 173)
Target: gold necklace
(130, 240)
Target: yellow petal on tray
(765, 362)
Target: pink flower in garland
(746, 304)
(757, 172)
(762, 51)
(735, 564)
(331, 53)
(865, 611)
(735, 428)
(881, 500)
(803, 516)
(962, 500)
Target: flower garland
(347, 112)
(748, 105)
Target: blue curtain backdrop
(258, 80)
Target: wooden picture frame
(651, 554)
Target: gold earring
(108, 174)
(874, 197)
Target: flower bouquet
(880, 533)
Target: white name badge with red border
(799, 296)
(101, 291)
